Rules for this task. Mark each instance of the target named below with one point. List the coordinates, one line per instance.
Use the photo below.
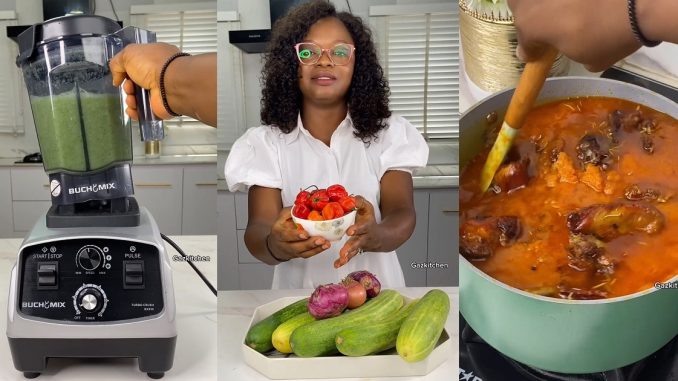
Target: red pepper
(319, 199)
(332, 210)
(301, 211)
(315, 216)
(336, 192)
(302, 198)
(347, 203)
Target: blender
(92, 278)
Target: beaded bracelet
(163, 94)
(271, 252)
(636, 29)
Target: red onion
(328, 301)
(368, 280)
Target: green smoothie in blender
(80, 131)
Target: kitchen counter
(138, 160)
(236, 309)
(196, 350)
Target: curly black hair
(367, 97)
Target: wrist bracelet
(271, 252)
(636, 29)
(163, 94)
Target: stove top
(478, 361)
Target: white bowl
(331, 230)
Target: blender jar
(77, 111)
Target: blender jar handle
(150, 126)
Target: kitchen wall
(30, 12)
(254, 14)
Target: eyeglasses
(310, 53)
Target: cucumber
(281, 335)
(421, 329)
(317, 338)
(372, 338)
(259, 336)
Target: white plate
(278, 366)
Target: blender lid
(61, 27)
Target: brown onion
(357, 295)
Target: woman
(326, 121)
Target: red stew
(584, 207)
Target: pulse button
(134, 274)
(47, 276)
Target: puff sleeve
(403, 147)
(253, 160)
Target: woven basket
(489, 42)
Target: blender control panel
(90, 280)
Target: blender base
(155, 355)
(119, 212)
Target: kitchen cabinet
(6, 217)
(443, 239)
(241, 211)
(428, 258)
(227, 262)
(30, 184)
(199, 200)
(413, 251)
(26, 214)
(30, 198)
(159, 189)
(256, 276)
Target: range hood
(57, 8)
(256, 40)
(250, 41)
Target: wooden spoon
(530, 84)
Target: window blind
(420, 57)
(194, 32)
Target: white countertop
(196, 351)
(236, 309)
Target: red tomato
(315, 216)
(301, 211)
(302, 198)
(347, 203)
(319, 199)
(332, 210)
(336, 192)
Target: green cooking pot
(568, 336)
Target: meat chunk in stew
(633, 121)
(479, 237)
(636, 193)
(586, 253)
(626, 120)
(512, 176)
(589, 151)
(609, 221)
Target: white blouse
(267, 157)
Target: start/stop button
(48, 275)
